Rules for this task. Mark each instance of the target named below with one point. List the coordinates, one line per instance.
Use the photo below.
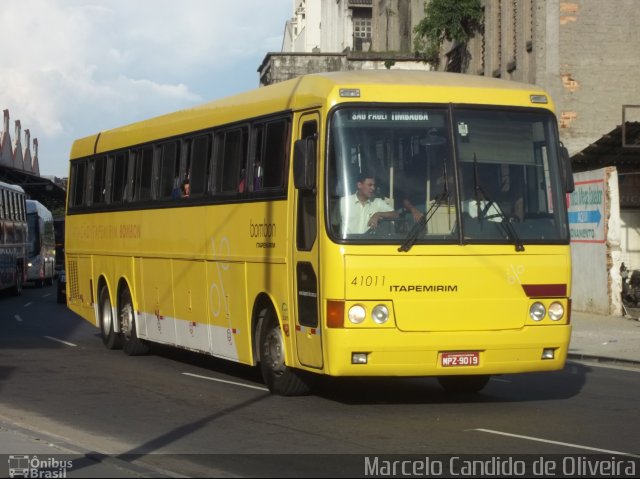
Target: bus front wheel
(132, 345)
(463, 384)
(110, 338)
(279, 378)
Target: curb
(603, 359)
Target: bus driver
(362, 211)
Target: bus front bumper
(370, 352)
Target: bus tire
(463, 384)
(17, 288)
(132, 345)
(279, 378)
(110, 338)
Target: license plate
(461, 358)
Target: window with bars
(362, 28)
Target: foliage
(452, 20)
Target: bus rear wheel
(463, 384)
(132, 345)
(279, 378)
(110, 338)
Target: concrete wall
(278, 67)
(594, 217)
(583, 52)
(599, 43)
(335, 27)
(393, 22)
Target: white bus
(41, 244)
(13, 237)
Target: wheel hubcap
(107, 318)
(273, 351)
(126, 320)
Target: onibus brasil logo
(33, 466)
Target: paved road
(181, 412)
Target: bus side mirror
(569, 184)
(304, 164)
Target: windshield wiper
(506, 224)
(412, 237)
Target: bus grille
(72, 279)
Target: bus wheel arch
(106, 318)
(262, 302)
(132, 345)
(278, 376)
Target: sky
(71, 68)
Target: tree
(456, 21)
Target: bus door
(305, 262)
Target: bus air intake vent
(72, 279)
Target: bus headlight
(357, 314)
(556, 311)
(537, 311)
(380, 314)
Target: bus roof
(7, 186)
(318, 90)
(34, 206)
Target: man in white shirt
(362, 211)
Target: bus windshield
(400, 175)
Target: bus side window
(14, 205)
(273, 172)
(199, 165)
(10, 205)
(78, 174)
(257, 157)
(167, 171)
(99, 176)
(230, 161)
(143, 173)
(269, 155)
(118, 177)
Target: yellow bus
(372, 223)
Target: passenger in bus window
(186, 188)
(362, 211)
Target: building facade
(584, 53)
(338, 35)
(355, 25)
